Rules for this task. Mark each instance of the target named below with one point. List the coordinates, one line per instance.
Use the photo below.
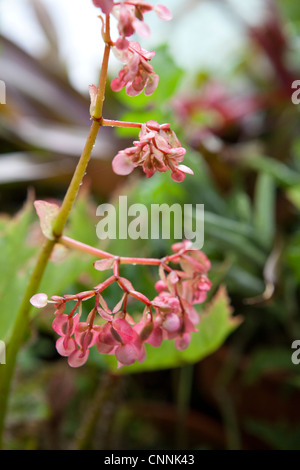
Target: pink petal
(78, 358)
(182, 342)
(131, 91)
(106, 316)
(63, 325)
(177, 176)
(173, 277)
(105, 5)
(185, 169)
(103, 264)
(104, 348)
(117, 84)
(160, 286)
(60, 324)
(184, 245)
(152, 84)
(105, 342)
(191, 312)
(84, 336)
(163, 12)
(127, 283)
(141, 28)
(126, 354)
(171, 322)
(39, 300)
(155, 339)
(154, 125)
(65, 346)
(144, 330)
(122, 44)
(122, 165)
(118, 306)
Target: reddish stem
(70, 243)
(113, 123)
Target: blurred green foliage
(243, 389)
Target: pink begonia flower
(137, 74)
(195, 266)
(130, 21)
(119, 338)
(157, 150)
(165, 303)
(195, 290)
(170, 316)
(149, 331)
(130, 16)
(85, 338)
(65, 326)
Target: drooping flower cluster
(137, 74)
(158, 149)
(170, 315)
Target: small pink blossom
(195, 289)
(65, 345)
(137, 74)
(130, 16)
(119, 338)
(171, 315)
(158, 149)
(78, 357)
(39, 300)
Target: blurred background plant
(226, 71)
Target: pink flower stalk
(157, 150)
(137, 74)
(195, 266)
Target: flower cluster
(137, 74)
(158, 149)
(170, 315)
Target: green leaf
(264, 209)
(217, 323)
(15, 254)
(284, 175)
(293, 194)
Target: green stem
(75, 183)
(183, 401)
(19, 331)
(22, 319)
